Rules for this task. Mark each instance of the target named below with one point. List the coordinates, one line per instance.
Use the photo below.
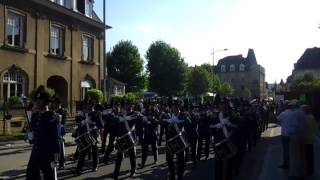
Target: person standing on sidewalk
(311, 131)
(283, 117)
(297, 118)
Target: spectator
(283, 117)
(297, 149)
(311, 131)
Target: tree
(199, 81)
(306, 82)
(226, 89)
(125, 64)
(167, 70)
(207, 66)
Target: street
(259, 164)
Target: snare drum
(85, 141)
(177, 144)
(224, 149)
(124, 142)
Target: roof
(46, 6)
(251, 57)
(310, 59)
(237, 60)
(117, 81)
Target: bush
(129, 97)
(14, 100)
(96, 95)
(50, 92)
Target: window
(85, 86)
(13, 84)
(223, 68)
(56, 40)
(15, 29)
(232, 67)
(241, 67)
(87, 48)
(88, 8)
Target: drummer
(175, 126)
(222, 130)
(126, 121)
(150, 130)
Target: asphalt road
(259, 164)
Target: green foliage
(14, 100)
(96, 95)
(129, 97)
(226, 89)
(167, 70)
(306, 82)
(199, 81)
(216, 83)
(50, 92)
(125, 64)
(116, 98)
(208, 67)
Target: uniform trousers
(145, 148)
(110, 147)
(193, 145)
(120, 155)
(200, 145)
(82, 155)
(180, 165)
(224, 169)
(62, 154)
(39, 163)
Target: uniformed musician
(175, 126)
(126, 122)
(46, 147)
(150, 131)
(222, 127)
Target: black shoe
(115, 177)
(133, 174)
(141, 166)
(78, 172)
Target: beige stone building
(245, 75)
(56, 43)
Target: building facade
(56, 43)
(245, 75)
(309, 61)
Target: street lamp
(213, 52)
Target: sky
(279, 31)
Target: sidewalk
(262, 163)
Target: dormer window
(223, 68)
(88, 8)
(232, 67)
(241, 67)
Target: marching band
(230, 126)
